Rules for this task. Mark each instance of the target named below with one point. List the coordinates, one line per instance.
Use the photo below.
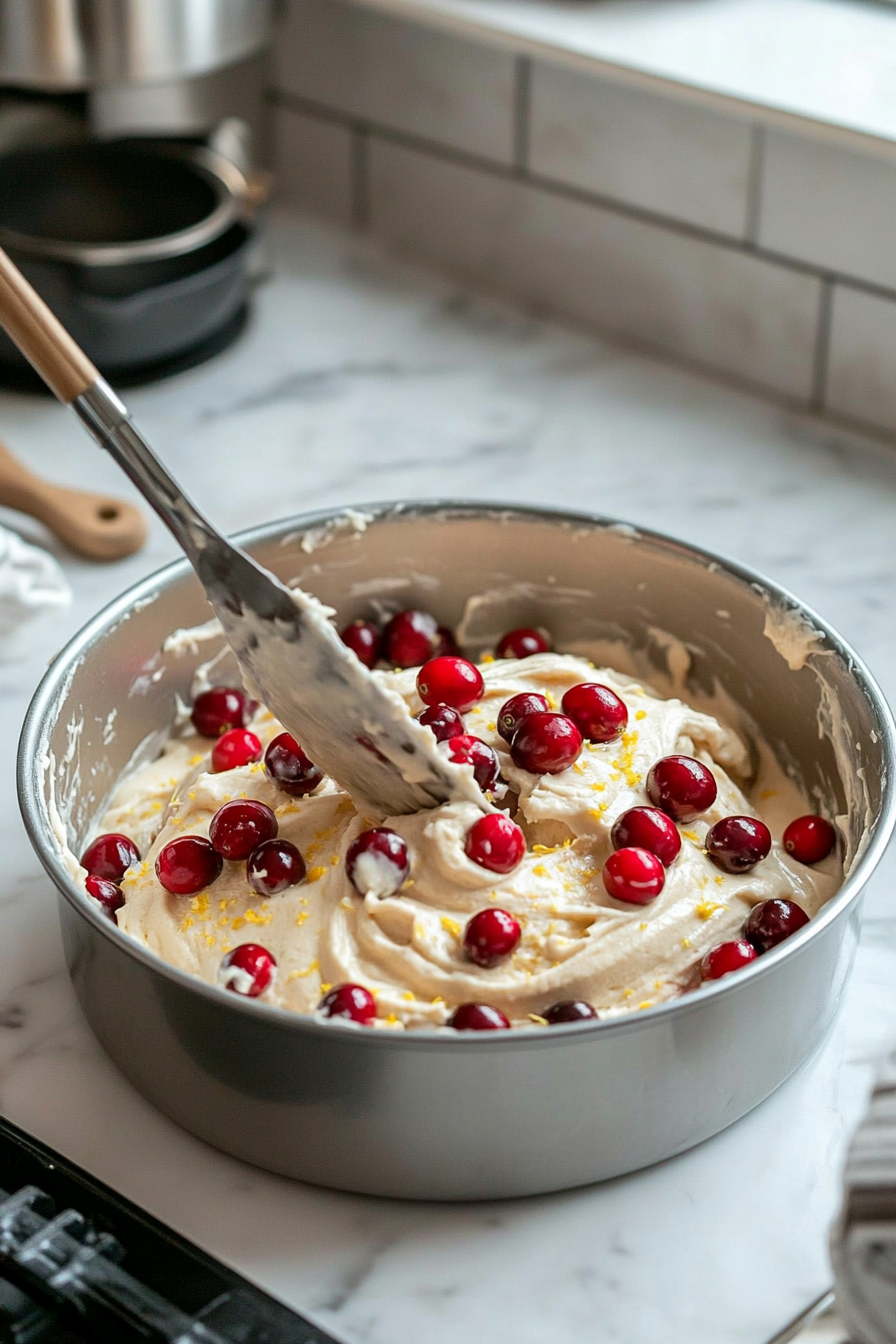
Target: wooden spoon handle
(98, 526)
(41, 337)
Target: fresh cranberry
(770, 922)
(737, 844)
(411, 638)
(572, 1010)
(490, 936)
(514, 710)
(681, 786)
(478, 1017)
(236, 748)
(188, 864)
(222, 708)
(596, 711)
(443, 720)
(450, 681)
(273, 866)
(546, 743)
(469, 750)
(634, 875)
(496, 843)
(237, 827)
(377, 862)
(353, 1002)
(725, 958)
(364, 640)
(289, 768)
(247, 970)
(810, 839)
(107, 893)
(523, 643)
(647, 828)
(110, 856)
(446, 645)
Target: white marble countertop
(828, 64)
(360, 380)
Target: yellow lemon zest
(706, 909)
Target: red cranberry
(411, 638)
(810, 839)
(443, 720)
(110, 856)
(514, 710)
(222, 708)
(469, 750)
(596, 711)
(353, 1002)
(647, 828)
(247, 970)
(446, 645)
(450, 681)
(237, 827)
(273, 866)
(634, 875)
(572, 1010)
(737, 844)
(546, 743)
(364, 640)
(523, 643)
(377, 862)
(770, 922)
(725, 958)
(496, 843)
(682, 787)
(107, 893)
(236, 748)
(490, 936)
(478, 1017)
(289, 768)
(188, 864)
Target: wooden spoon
(98, 526)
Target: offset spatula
(354, 728)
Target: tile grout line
(613, 205)
(822, 344)
(522, 107)
(754, 185)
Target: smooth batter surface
(577, 941)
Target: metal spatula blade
(353, 727)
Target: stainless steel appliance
(84, 44)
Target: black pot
(140, 249)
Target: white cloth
(863, 1240)
(31, 584)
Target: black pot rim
(225, 179)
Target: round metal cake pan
(439, 1115)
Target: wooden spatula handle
(41, 337)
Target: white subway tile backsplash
(861, 380)
(658, 153)
(725, 308)
(830, 206)
(314, 164)
(410, 78)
